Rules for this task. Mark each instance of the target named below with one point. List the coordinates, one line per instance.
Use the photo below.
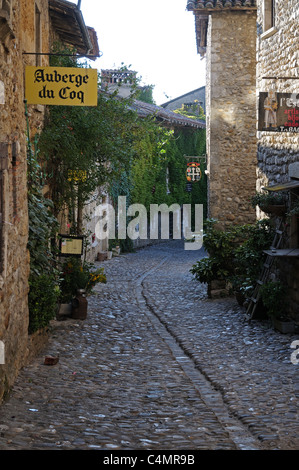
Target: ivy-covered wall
(157, 172)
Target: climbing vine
(158, 172)
(43, 291)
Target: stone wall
(14, 264)
(278, 56)
(231, 115)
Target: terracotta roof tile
(168, 117)
(219, 4)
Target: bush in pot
(76, 275)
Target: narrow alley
(156, 365)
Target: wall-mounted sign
(71, 245)
(188, 187)
(193, 172)
(61, 86)
(278, 112)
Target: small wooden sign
(71, 245)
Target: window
(5, 19)
(269, 15)
(1, 219)
(3, 170)
(37, 36)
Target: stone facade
(278, 152)
(25, 29)
(15, 38)
(231, 137)
(226, 35)
(277, 56)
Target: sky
(155, 38)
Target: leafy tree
(145, 94)
(43, 292)
(84, 147)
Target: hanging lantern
(193, 172)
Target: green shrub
(42, 299)
(76, 275)
(273, 295)
(235, 255)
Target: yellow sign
(61, 86)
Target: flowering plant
(76, 275)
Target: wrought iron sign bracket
(196, 157)
(76, 56)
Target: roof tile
(219, 4)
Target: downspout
(83, 28)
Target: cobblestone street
(157, 365)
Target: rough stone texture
(157, 365)
(278, 56)
(231, 115)
(14, 268)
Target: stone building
(252, 100)
(278, 141)
(14, 261)
(226, 36)
(121, 80)
(26, 27)
(188, 100)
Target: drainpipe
(83, 27)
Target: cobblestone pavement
(157, 365)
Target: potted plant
(273, 296)
(294, 210)
(241, 287)
(78, 277)
(272, 203)
(249, 258)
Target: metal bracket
(196, 157)
(77, 56)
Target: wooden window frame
(1, 219)
(268, 15)
(38, 35)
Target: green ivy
(42, 300)
(195, 112)
(274, 298)
(43, 292)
